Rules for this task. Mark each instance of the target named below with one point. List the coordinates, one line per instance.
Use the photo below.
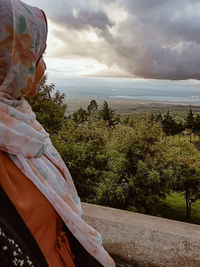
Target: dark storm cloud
(165, 38)
(173, 20)
(156, 39)
(160, 39)
(75, 14)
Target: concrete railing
(145, 240)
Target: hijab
(23, 32)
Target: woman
(35, 184)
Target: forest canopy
(131, 162)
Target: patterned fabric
(11, 254)
(15, 235)
(22, 41)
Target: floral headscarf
(23, 31)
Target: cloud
(159, 39)
(76, 14)
(151, 39)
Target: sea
(87, 88)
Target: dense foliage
(50, 108)
(129, 163)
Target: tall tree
(189, 123)
(80, 115)
(169, 125)
(137, 174)
(92, 110)
(180, 127)
(158, 117)
(92, 107)
(184, 161)
(196, 125)
(108, 114)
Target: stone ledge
(145, 240)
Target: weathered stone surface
(145, 240)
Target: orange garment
(38, 214)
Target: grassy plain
(125, 107)
(174, 208)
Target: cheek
(41, 67)
(38, 76)
(40, 70)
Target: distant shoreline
(131, 93)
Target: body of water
(87, 88)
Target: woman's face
(41, 67)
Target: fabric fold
(63, 248)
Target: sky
(150, 39)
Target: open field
(179, 110)
(174, 208)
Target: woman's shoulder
(5, 162)
(4, 158)
(8, 171)
(3, 155)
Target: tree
(92, 107)
(108, 114)
(196, 125)
(152, 118)
(137, 174)
(184, 161)
(189, 120)
(189, 123)
(169, 125)
(158, 117)
(82, 148)
(49, 108)
(189, 182)
(180, 127)
(80, 116)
